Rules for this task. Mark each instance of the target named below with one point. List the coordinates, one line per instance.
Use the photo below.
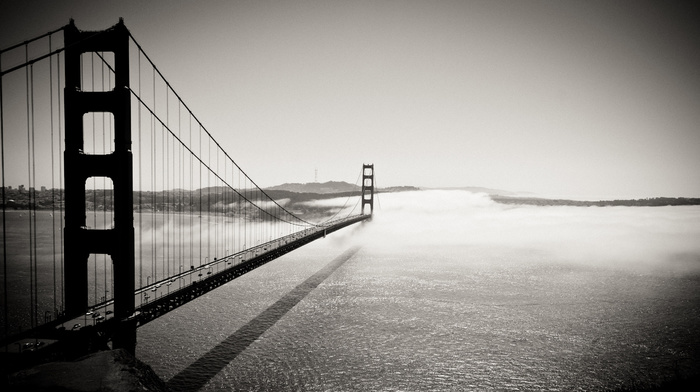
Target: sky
(592, 99)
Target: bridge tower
(367, 188)
(80, 242)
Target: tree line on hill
(201, 201)
(649, 202)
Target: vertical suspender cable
(191, 192)
(94, 181)
(164, 171)
(177, 183)
(181, 178)
(239, 217)
(140, 191)
(33, 209)
(166, 187)
(153, 181)
(201, 211)
(226, 232)
(216, 212)
(53, 185)
(4, 225)
(208, 197)
(163, 207)
(29, 175)
(104, 190)
(60, 175)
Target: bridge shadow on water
(201, 371)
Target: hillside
(489, 191)
(650, 202)
(316, 187)
(333, 187)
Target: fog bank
(649, 238)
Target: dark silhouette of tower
(118, 241)
(367, 188)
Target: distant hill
(332, 187)
(650, 202)
(316, 187)
(488, 191)
(404, 188)
(203, 199)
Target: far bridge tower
(367, 188)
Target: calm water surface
(452, 318)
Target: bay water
(447, 290)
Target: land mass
(316, 187)
(488, 191)
(294, 197)
(332, 187)
(649, 202)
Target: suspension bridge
(124, 206)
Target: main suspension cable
(209, 134)
(346, 202)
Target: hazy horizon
(469, 188)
